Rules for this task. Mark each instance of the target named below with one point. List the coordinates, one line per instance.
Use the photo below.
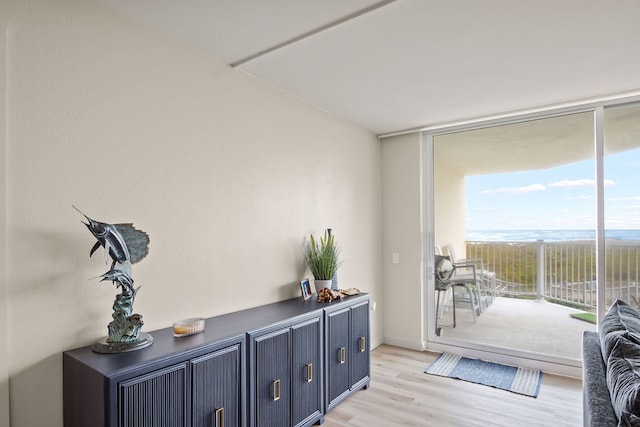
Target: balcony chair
(486, 279)
(447, 280)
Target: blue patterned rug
(517, 380)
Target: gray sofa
(611, 369)
(597, 408)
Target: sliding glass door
(536, 205)
(519, 199)
(622, 203)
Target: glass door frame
(430, 340)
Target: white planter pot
(321, 284)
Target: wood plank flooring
(401, 394)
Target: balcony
(526, 325)
(537, 287)
(562, 272)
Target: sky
(560, 198)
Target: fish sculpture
(120, 275)
(125, 245)
(121, 242)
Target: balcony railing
(563, 272)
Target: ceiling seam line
(313, 32)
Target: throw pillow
(629, 420)
(621, 319)
(623, 378)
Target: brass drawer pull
(276, 390)
(219, 417)
(309, 376)
(363, 344)
(342, 355)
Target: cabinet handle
(363, 344)
(309, 377)
(276, 390)
(342, 355)
(219, 417)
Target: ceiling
(391, 66)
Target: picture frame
(305, 289)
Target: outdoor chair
(447, 280)
(486, 280)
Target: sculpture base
(102, 346)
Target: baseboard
(513, 360)
(526, 362)
(399, 342)
(375, 343)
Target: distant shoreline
(531, 236)
(609, 242)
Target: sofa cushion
(623, 378)
(597, 409)
(621, 319)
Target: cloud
(585, 182)
(624, 199)
(565, 183)
(488, 209)
(634, 207)
(516, 190)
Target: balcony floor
(526, 325)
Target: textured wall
(401, 224)
(225, 173)
(403, 227)
(449, 207)
(4, 351)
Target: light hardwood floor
(401, 394)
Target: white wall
(449, 208)
(225, 173)
(401, 225)
(4, 351)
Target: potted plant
(323, 259)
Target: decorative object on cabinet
(125, 245)
(328, 295)
(186, 327)
(350, 292)
(266, 365)
(334, 279)
(305, 289)
(323, 259)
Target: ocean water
(547, 235)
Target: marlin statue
(121, 242)
(120, 275)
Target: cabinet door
(215, 398)
(157, 399)
(306, 372)
(337, 354)
(360, 343)
(273, 379)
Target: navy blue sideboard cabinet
(285, 388)
(347, 351)
(273, 365)
(190, 381)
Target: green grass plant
(323, 256)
